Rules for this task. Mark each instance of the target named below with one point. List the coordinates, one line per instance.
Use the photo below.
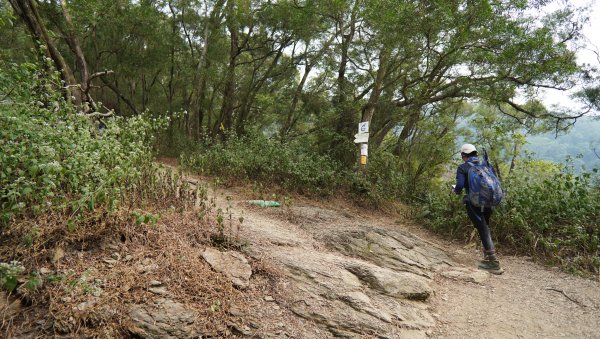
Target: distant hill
(580, 140)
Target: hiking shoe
(492, 266)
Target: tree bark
(27, 10)
(346, 117)
(369, 108)
(76, 47)
(225, 121)
(198, 102)
(407, 130)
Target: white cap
(467, 148)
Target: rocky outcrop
(353, 297)
(163, 318)
(392, 249)
(348, 274)
(466, 274)
(232, 264)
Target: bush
(386, 179)
(549, 211)
(269, 161)
(56, 159)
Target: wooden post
(363, 159)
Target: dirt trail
(340, 261)
(527, 301)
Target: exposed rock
(239, 329)
(236, 312)
(351, 297)
(361, 302)
(394, 250)
(154, 283)
(232, 264)
(158, 290)
(386, 281)
(147, 265)
(45, 271)
(269, 298)
(162, 319)
(84, 306)
(466, 274)
(109, 262)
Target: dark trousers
(481, 221)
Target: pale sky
(592, 34)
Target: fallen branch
(98, 114)
(566, 296)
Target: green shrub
(54, 158)
(9, 273)
(265, 160)
(386, 179)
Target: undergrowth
(268, 161)
(73, 191)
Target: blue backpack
(484, 186)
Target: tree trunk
(225, 121)
(513, 161)
(291, 116)
(369, 108)
(407, 130)
(198, 103)
(76, 47)
(27, 10)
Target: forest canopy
(316, 68)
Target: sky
(592, 33)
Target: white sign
(364, 149)
(363, 127)
(361, 138)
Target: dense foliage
(296, 168)
(303, 67)
(267, 161)
(549, 212)
(54, 159)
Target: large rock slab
(466, 274)
(352, 297)
(391, 249)
(232, 264)
(395, 284)
(352, 276)
(162, 319)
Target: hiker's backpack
(484, 186)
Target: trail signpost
(362, 138)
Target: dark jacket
(462, 173)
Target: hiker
(480, 216)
